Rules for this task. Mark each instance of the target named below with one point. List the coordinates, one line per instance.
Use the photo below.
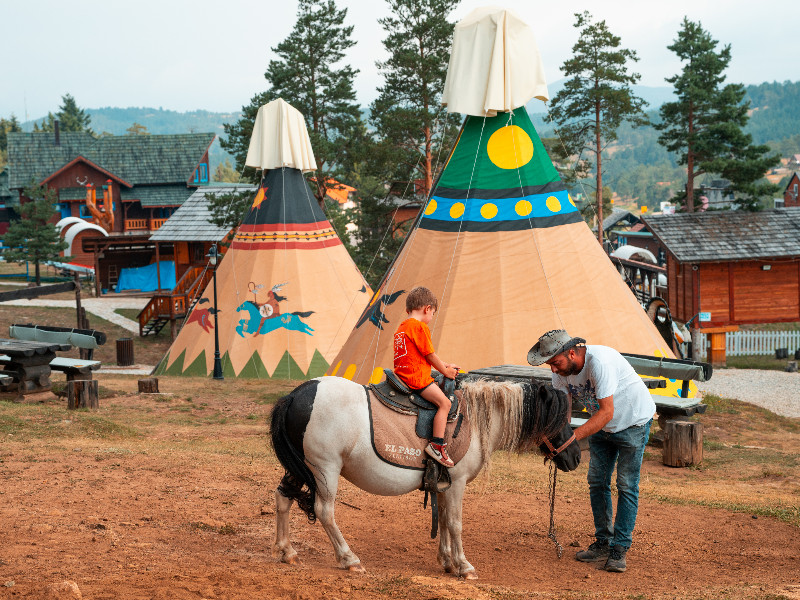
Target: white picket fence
(740, 343)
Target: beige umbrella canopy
(502, 245)
(288, 291)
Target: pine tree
(705, 124)
(7, 126)
(33, 238)
(597, 99)
(71, 117)
(411, 123)
(308, 75)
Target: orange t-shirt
(412, 343)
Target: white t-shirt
(606, 373)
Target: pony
(322, 430)
(253, 324)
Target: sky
(187, 55)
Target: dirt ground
(171, 496)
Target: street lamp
(212, 257)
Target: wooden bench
(75, 368)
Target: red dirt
(144, 519)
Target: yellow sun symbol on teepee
(510, 147)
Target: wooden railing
(176, 304)
(143, 224)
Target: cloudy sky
(186, 55)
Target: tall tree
(70, 117)
(598, 98)
(309, 76)
(137, 129)
(410, 121)
(33, 238)
(704, 125)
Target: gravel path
(773, 390)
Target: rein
(552, 490)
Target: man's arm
(449, 371)
(598, 420)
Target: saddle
(396, 395)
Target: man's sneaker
(439, 454)
(596, 552)
(616, 560)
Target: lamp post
(212, 259)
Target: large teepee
(288, 292)
(500, 241)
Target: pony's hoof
(470, 575)
(450, 569)
(293, 560)
(356, 568)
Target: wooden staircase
(172, 308)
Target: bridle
(552, 450)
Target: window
(85, 214)
(201, 174)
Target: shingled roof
(728, 235)
(192, 221)
(138, 159)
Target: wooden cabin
(729, 268)
(126, 186)
(791, 195)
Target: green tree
(7, 126)
(598, 98)
(705, 124)
(410, 121)
(229, 209)
(377, 236)
(309, 76)
(69, 116)
(33, 238)
(225, 172)
(137, 129)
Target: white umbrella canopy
(494, 64)
(280, 139)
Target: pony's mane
(523, 420)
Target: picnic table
(28, 365)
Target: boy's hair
(420, 297)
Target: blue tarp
(145, 279)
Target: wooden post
(82, 393)
(683, 443)
(148, 386)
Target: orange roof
(336, 190)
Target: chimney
(57, 132)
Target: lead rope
(552, 490)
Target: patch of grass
(765, 363)
(786, 514)
(716, 404)
(268, 397)
(25, 421)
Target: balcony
(143, 224)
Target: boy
(413, 359)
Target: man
(621, 411)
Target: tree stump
(82, 393)
(148, 386)
(683, 443)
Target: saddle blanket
(396, 442)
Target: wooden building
(729, 268)
(791, 195)
(138, 182)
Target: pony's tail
(298, 476)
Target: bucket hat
(552, 343)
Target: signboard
(705, 317)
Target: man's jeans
(624, 449)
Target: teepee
(288, 291)
(500, 241)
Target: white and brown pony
(321, 430)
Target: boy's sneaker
(439, 454)
(594, 553)
(616, 560)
